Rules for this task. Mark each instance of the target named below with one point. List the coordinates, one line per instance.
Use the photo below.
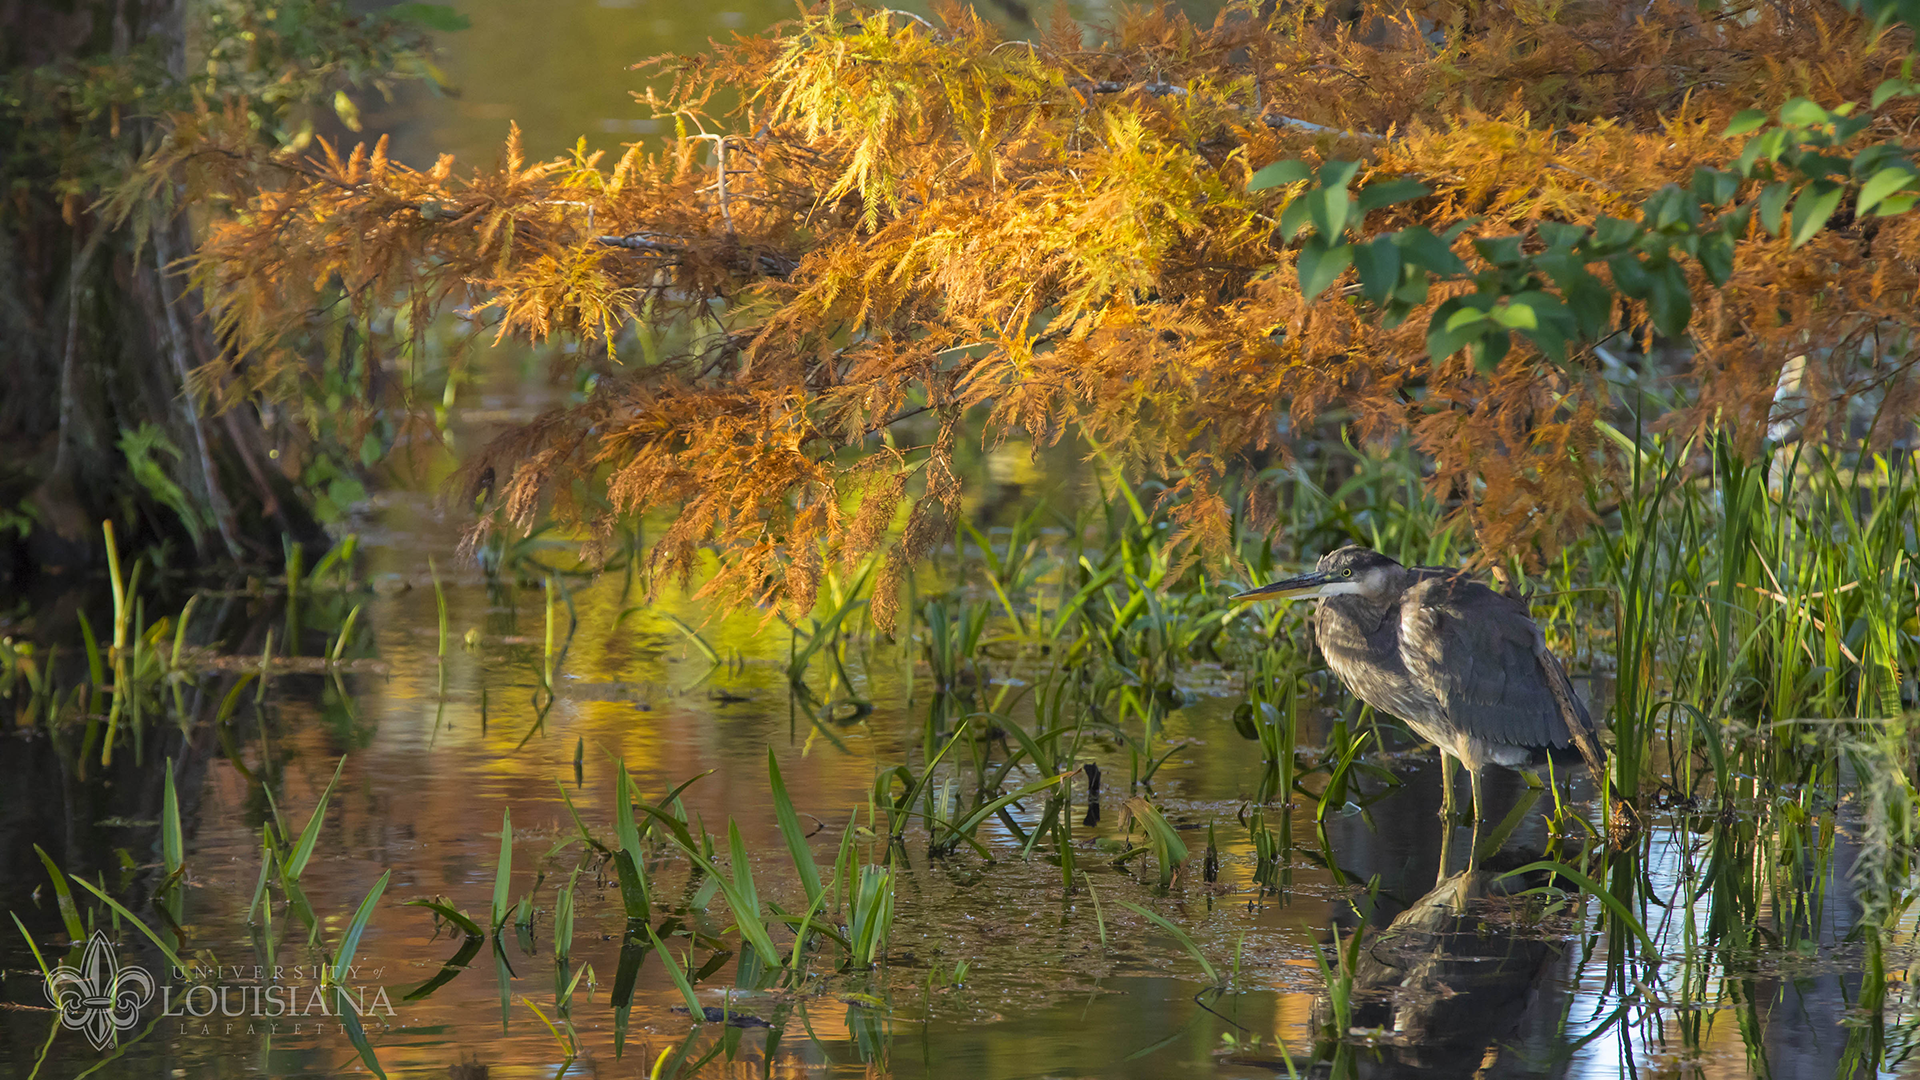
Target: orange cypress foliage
(905, 222)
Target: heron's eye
(1348, 572)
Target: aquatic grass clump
(1163, 840)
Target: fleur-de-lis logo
(99, 997)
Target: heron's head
(1348, 571)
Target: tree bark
(97, 329)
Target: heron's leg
(1446, 787)
(1473, 851)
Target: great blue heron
(1464, 666)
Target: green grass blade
(694, 1008)
(965, 827)
(172, 843)
(350, 1019)
(41, 961)
(121, 910)
(310, 835)
(350, 943)
(633, 888)
(503, 870)
(346, 635)
(746, 910)
(1593, 887)
(1179, 936)
(563, 911)
(63, 896)
(693, 638)
(232, 701)
(586, 837)
(790, 830)
(748, 894)
(452, 914)
(625, 834)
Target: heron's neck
(1365, 614)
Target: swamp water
(991, 969)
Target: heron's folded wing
(1473, 649)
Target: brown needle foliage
(906, 224)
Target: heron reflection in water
(1465, 667)
(1455, 987)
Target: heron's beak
(1306, 586)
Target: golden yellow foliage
(908, 220)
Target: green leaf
(1612, 233)
(1884, 183)
(1465, 316)
(746, 910)
(1515, 317)
(1716, 247)
(1715, 187)
(1413, 285)
(1896, 204)
(1551, 342)
(1444, 340)
(1487, 354)
(1329, 207)
(1389, 192)
(1846, 129)
(1814, 166)
(1293, 217)
(1812, 207)
(1893, 88)
(1803, 112)
(1279, 174)
(1500, 250)
(346, 110)
(1587, 297)
(356, 1034)
(1559, 235)
(1320, 265)
(1546, 307)
(429, 16)
(1629, 276)
(1420, 247)
(1670, 208)
(1670, 301)
(1744, 121)
(1773, 201)
(1874, 158)
(1379, 266)
(1338, 174)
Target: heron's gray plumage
(1464, 666)
(1480, 657)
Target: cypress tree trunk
(97, 331)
